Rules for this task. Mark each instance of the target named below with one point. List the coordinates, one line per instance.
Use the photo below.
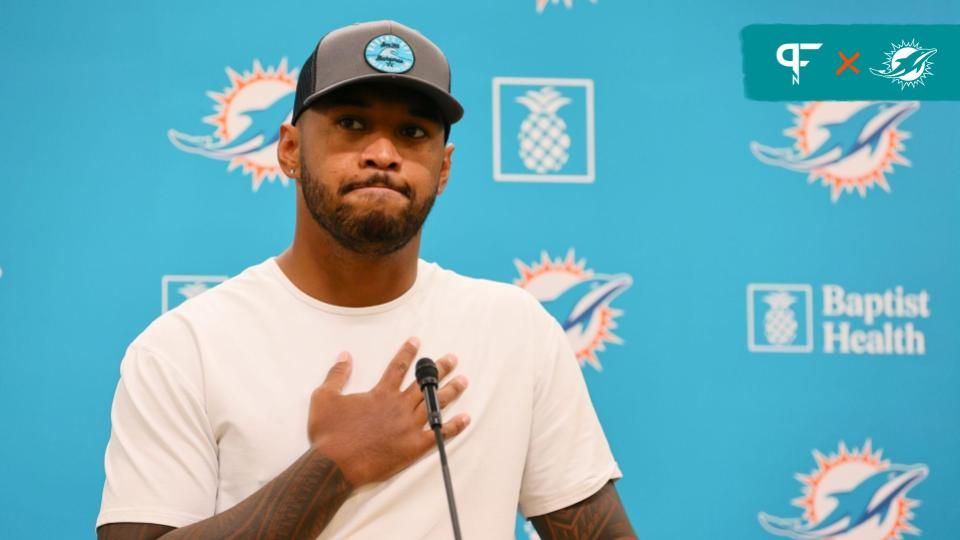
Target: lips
(375, 185)
(377, 190)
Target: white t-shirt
(213, 399)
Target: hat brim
(450, 107)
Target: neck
(322, 268)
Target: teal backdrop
(780, 279)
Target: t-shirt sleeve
(568, 458)
(161, 460)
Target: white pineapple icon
(780, 322)
(543, 134)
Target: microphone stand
(447, 483)
(427, 378)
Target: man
(219, 428)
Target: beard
(366, 231)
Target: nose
(381, 154)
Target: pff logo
(794, 62)
(543, 130)
(847, 145)
(246, 119)
(175, 290)
(579, 299)
(852, 494)
(780, 319)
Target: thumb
(339, 373)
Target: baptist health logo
(848, 145)
(579, 299)
(247, 118)
(852, 494)
(779, 329)
(175, 290)
(794, 62)
(543, 130)
(780, 318)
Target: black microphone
(428, 379)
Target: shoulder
(506, 301)
(445, 278)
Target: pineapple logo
(247, 117)
(543, 134)
(772, 322)
(852, 494)
(780, 322)
(175, 290)
(543, 130)
(578, 299)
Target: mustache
(378, 180)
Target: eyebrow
(426, 114)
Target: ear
(445, 167)
(288, 150)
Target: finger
(339, 373)
(452, 390)
(398, 367)
(448, 430)
(455, 426)
(445, 365)
(445, 395)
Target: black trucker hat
(377, 51)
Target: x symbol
(848, 62)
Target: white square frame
(498, 173)
(752, 345)
(173, 278)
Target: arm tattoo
(297, 504)
(598, 517)
(132, 531)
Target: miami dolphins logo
(578, 299)
(247, 117)
(542, 4)
(907, 64)
(852, 495)
(848, 145)
(390, 54)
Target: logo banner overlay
(853, 62)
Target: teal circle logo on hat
(390, 54)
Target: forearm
(600, 516)
(298, 503)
